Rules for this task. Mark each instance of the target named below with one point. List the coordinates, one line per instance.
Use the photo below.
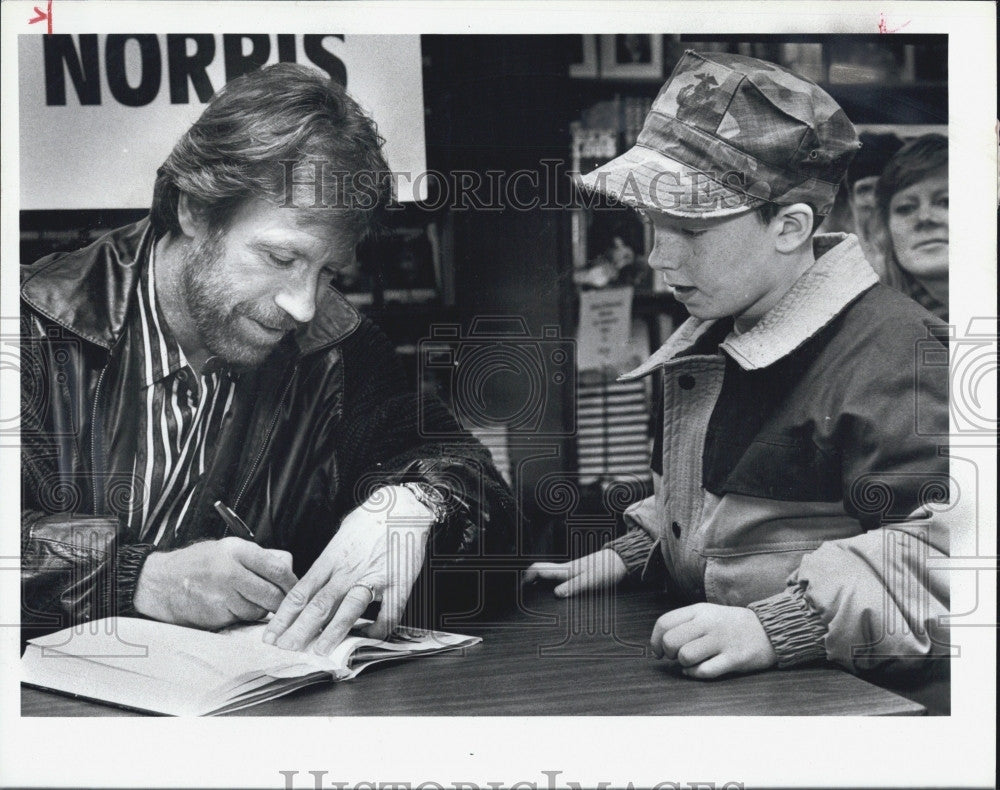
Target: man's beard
(205, 289)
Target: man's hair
(252, 128)
(911, 164)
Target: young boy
(797, 436)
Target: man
(862, 176)
(797, 434)
(201, 357)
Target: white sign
(605, 325)
(100, 113)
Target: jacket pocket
(788, 468)
(741, 579)
(64, 560)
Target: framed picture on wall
(632, 56)
(584, 62)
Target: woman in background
(912, 204)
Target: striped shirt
(181, 417)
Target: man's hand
(709, 640)
(380, 545)
(213, 583)
(600, 569)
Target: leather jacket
(313, 431)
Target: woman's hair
(911, 164)
(261, 130)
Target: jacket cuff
(634, 548)
(130, 561)
(797, 634)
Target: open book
(162, 668)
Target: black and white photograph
(632, 56)
(583, 60)
(604, 396)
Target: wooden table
(584, 656)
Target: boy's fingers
(712, 668)
(696, 651)
(596, 565)
(546, 570)
(670, 620)
(579, 583)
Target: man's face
(721, 267)
(248, 286)
(862, 201)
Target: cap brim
(644, 178)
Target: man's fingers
(313, 617)
(405, 557)
(259, 591)
(352, 606)
(243, 609)
(671, 619)
(271, 564)
(294, 602)
(390, 614)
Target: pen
(234, 522)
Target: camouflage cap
(727, 133)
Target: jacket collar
(89, 292)
(838, 277)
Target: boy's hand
(601, 569)
(709, 640)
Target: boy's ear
(793, 226)
(190, 217)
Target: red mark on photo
(883, 26)
(43, 16)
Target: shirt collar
(167, 356)
(839, 275)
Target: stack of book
(612, 431)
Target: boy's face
(719, 267)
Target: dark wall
(502, 104)
(493, 105)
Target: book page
(176, 654)
(209, 660)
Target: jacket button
(676, 529)
(686, 382)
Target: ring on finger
(369, 588)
